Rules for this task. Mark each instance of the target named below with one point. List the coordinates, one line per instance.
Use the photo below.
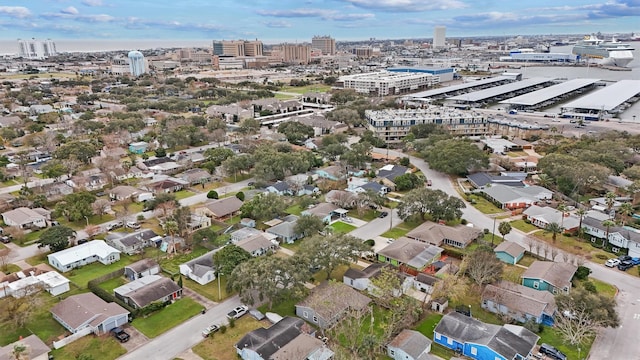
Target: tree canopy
(227, 258)
(295, 132)
(76, 206)
(329, 252)
(436, 203)
(482, 266)
(582, 313)
(56, 238)
(455, 156)
(263, 206)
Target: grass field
(552, 337)
(286, 307)
(109, 285)
(172, 265)
(221, 346)
(342, 228)
(306, 89)
(401, 230)
(165, 319)
(484, 205)
(93, 347)
(523, 226)
(183, 194)
(210, 290)
(83, 275)
(294, 210)
(366, 216)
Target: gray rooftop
(501, 90)
(414, 253)
(520, 298)
(608, 98)
(448, 89)
(542, 95)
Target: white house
(23, 217)
(200, 269)
(87, 253)
(32, 280)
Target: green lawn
(220, 346)
(81, 224)
(306, 89)
(172, 265)
(512, 273)
(183, 194)
(604, 288)
(210, 290)
(523, 226)
(552, 337)
(12, 268)
(366, 216)
(429, 323)
(285, 307)
(36, 260)
(103, 347)
(401, 230)
(294, 210)
(342, 228)
(527, 260)
(165, 319)
(484, 205)
(83, 275)
(109, 285)
(293, 247)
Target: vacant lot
(342, 228)
(93, 347)
(165, 319)
(220, 346)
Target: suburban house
(24, 218)
(32, 280)
(8, 121)
(542, 216)
(438, 234)
(195, 176)
(412, 256)
(617, 184)
(341, 198)
(285, 230)
(509, 252)
(519, 302)
(482, 180)
(425, 283)
(200, 269)
(283, 340)
(332, 172)
(554, 277)
(148, 289)
(247, 222)
(280, 188)
(371, 186)
(55, 191)
(220, 209)
(131, 243)
(330, 302)
(36, 349)
(390, 172)
(511, 198)
(258, 245)
(326, 212)
(88, 311)
(122, 192)
(139, 147)
(621, 237)
(198, 221)
(601, 203)
(359, 279)
(83, 254)
(140, 268)
(166, 186)
(478, 340)
(243, 233)
(410, 345)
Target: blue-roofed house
(390, 172)
(482, 341)
(139, 147)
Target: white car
(612, 262)
(210, 330)
(238, 312)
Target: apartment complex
(36, 49)
(326, 44)
(385, 83)
(137, 64)
(237, 48)
(296, 53)
(392, 125)
(439, 37)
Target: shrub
(223, 329)
(590, 287)
(240, 196)
(582, 272)
(232, 323)
(533, 326)
(463, 221)
(212, 194)
(602, 256)
(370, 242)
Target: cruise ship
(613, 53)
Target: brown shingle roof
(510, 248)
(79, 309)
(331, 298)
(435, 233)
(224, 207)
(520, 298)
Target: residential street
(184, 336)
(611, 343)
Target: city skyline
(289, 20)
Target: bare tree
(545, 249)
(566, 256)
(482, 266)
(536, 247)
(581, 314)
(101, 206)
(4, 259)
(530, 241)
(554, 252)
(16, 233)
(92, 230)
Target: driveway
(184, 336)
(377, 226)
(611, 343)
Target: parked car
(429, 183)
(5, 239)
(625, 265)
(115, 225)
(120, 334)
(238, 312)
(552, 352)
(133, 225)
(383, 214)
(210, 330)
(612, 263)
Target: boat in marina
(610, 53)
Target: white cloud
(408, 5)
(70, 10)
(15, 11)
(92, 3)
(319, 13)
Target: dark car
(625, 265)
(5, 239)
(624, 257)
(383, 214)
(552, 352)
(120, 334)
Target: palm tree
(504, 228)
(625, 210)
(171, 227)
(607, 224)
(544, 180)
(581, 213)
(563, 209)
(554, 228)
(610, 200)
(20, 352)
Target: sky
(298, 20)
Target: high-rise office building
(296, 53)
(439, 37)
(326, 44)
(136, 63)
(237, 48)
(36, 49)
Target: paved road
(611, 343)
(377, 226)
(184, 336)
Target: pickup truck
(120, 334)
(238, 312)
